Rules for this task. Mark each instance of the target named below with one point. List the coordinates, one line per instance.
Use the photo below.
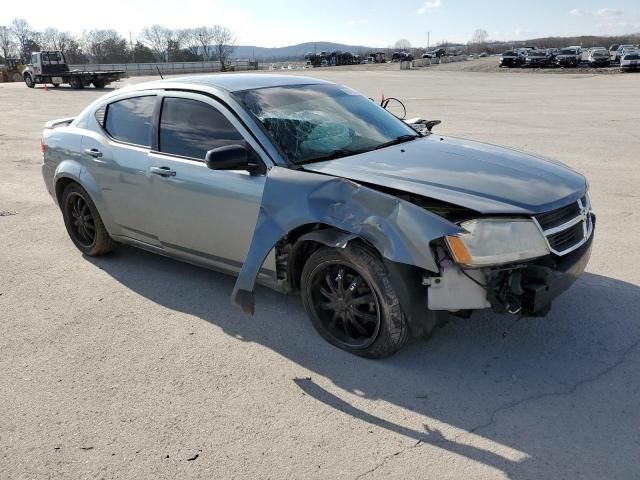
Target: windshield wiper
(396, 141)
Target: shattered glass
(309, 122)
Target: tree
(74, 54)
(403, 45)
(31, 45)
(142, 53)
(105, 46)
(24, 35)
(54, 39)
(7, 44)
(480, 36)
(190, 42)
(158, 38)
(205, 38)
(224, 43)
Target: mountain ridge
(295, 52)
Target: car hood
(478, 176)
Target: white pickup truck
(51, 68)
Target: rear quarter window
(129, 120)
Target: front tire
(351, 302)
(83, 222)
(29, 81)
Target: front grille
(559, 216)
(566, 238)
(567, 228)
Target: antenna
(159, 73)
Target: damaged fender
(399, 230)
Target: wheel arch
(70, 171)
(407, 279)
(303, 241)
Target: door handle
(163, 171)
(93, 152)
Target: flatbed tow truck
(51, 68)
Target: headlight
(496, 241)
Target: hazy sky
(275, 23)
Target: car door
(116, 158)
(203, 215)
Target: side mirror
(231, 157)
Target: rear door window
(190, 128)
(129, 120)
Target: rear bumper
(47, 175)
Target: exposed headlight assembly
(496, 241)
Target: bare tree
(7, 43)
(23, 34)
(402, 45)
(480, 36)
(54, 39)
(105, 46)
(159, 39)
(224, 43)
(205, 37)
(190, 41)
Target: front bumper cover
(531, 289)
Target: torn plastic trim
(399, 230)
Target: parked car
(620, 51)
(537, 58)
(381, 229)
(630, 61)
(511, 58)
(599, 57)
(568, 57)
(483, 55)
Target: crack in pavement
(502, 408)
(539, 396)
(387, 458)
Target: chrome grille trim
(584, 206)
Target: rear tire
(99, 83)
(76, 82)
(83, 222)
(29, 81)
(351, 302)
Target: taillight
(43, 147)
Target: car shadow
(67, 89)
(558, 391)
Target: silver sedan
(307, 186)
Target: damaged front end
(397, 229)
(557, 255)
(442, 258)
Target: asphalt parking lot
(137, 366)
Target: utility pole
(428, 38)
(133, 55)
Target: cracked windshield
(320, 122)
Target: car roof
(234, 82)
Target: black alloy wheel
(351, 301)
(83, 228)
(83, 222)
